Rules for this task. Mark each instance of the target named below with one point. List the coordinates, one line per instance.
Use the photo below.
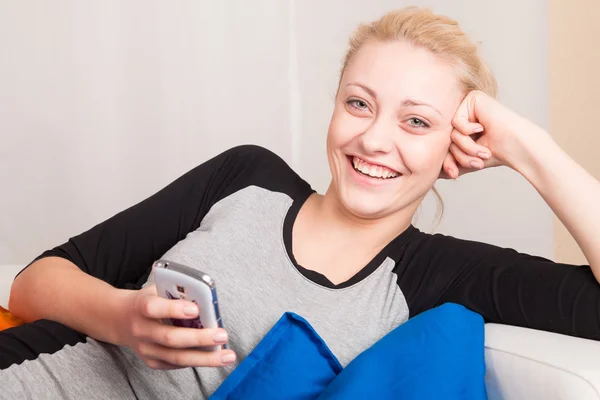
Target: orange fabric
(7, 320)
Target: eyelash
(353, 103)
(423, 123)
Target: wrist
(533, 150)
(116, 313)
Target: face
(390, 128)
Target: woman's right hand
(163, 346)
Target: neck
(377, 232)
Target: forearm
(54, 288)
(571, 192)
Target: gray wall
(104, 102)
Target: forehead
(397, 70)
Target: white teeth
(372, 170)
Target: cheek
(424, 155)
(343, 127)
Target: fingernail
(483, 155)
(478, 129)
(475, 164)
(190, 310)
(220, 337)
(228, 358)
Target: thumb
(464, 119)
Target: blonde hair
(437, 33)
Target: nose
(377, 138)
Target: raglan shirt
(232, 217)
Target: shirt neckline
(319, 278)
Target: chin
(370, 205)
(365, 206)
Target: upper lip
(372, 162)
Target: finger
(179, 338)
(450, 167)
(468, 145)
(190, 357)
(153, 306)
(465, 160)
(464, 119)
(467, 128)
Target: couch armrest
(529, 364)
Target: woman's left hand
(486, 134)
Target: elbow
(28, 292)
(33, 292)
(17, 298)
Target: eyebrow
(405, 103)
(365, 88)
(412, 103)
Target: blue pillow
(438, 354)
(291, 362)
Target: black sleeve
(505, 286)
(121, 249)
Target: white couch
(529, 364)
(522, 364)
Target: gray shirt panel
(240, 245)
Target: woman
(415, 102)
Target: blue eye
(418, 123)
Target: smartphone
(177, 281)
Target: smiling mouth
(372, 171)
